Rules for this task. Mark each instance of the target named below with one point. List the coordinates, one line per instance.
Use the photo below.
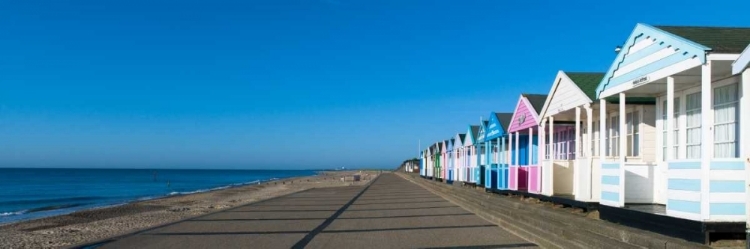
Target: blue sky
(288, 84)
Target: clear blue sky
(288, 84)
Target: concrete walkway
(390, 213)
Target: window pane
(676, 113)
(629, 122)
(615, 146)
(676, 128)
(607, 134)
(636, 145)
(630, 146)
(664, 130)
(726, 111)
(664, 115)
(693, 125)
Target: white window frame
(681, 145)
(632, 130)
(615, 136)
(686, 117)
(595, 138)
(663, 129)
(737, 141)
(610, 133)
(547, 147)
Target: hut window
(693, 125)
(676, 129)
(633, 142)
(664, 130)
(572, 144)
(614, 142)
(584, 142)
(595, 139)
(726, 112)
(547, 147)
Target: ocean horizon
(32, 193)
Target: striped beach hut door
(612, 184)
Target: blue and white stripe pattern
(649, 54)
(727, 190)
(612, 184)
(684, 189)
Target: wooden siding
(565, 97)
(649, 147)
(523, 113)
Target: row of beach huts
(660, 141)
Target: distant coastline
(33, 204)
(91, 225)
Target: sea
(35, 193)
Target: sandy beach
(98, 224)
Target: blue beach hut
(495, 144)
(482, 163)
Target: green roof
(536, 100)
(587, 82)
(632, 100)
(719, 39)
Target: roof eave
(742, 62)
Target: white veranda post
(623, 147)
(707, 121)
(542, 160)
(576, 171)
(531, 162)
(745, 136)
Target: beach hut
(421, 163)
(495, 144)
(438, 161)
(458, 151)
(524, 173)
(450, 161)
(431, 159)
(482, 163)
(693, 163)
(427, 161)
(471, 153)
(566, 119)
(443, 159)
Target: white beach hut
(698, 170)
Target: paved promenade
(390, 213)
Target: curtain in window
(547, 144)
(607, 137)
(584, 141)
(693, 125)
(629, 135)
(664, 130)
(572, 144)
(676, 129)
(636, 148)
(595, 138)
(726, 132)
(615, 131)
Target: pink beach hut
(524, 171)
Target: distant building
(411, 165)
